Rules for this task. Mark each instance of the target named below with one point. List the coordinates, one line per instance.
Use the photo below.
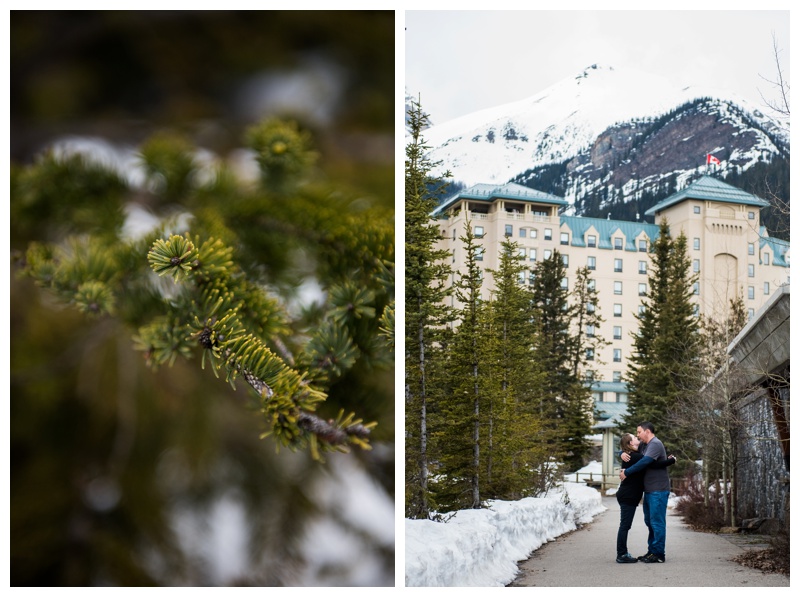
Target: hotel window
(751, 292)
(533, 254)
(751, 249)
(523, 232)
(521, 278)
(696, 310)
(751, 270)
(589, 354)
(591, 240)
(751, 215)
(589, 376)
(622, 396)
(590, 307)
(696, 287)
(617, 355)
(591, 284)
(642, 289)
(766, 287)
(534, 233)
(641, 309)
(509, 230)
(597, 396)
(617, 287)
(617, 310)
(617, 244)
(592, 263)
(548, 234)
(479, 254)
(565, 238)
(565, 260)
(478, 231)
(766, 258)
(548, 253)
(617, 332)
(697, 209)
(643, 246)
(696, 244)
(522, 253)
(531, 277)
(617, 376)
(696, 265)
(618, 265)
(590, 331)
(565, 283)
(642, 267)
(750, 313)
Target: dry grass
(710, 518)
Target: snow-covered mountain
(609, 134)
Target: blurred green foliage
(106, 452)
(175, 66)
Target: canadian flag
(710, 159)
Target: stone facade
(761, 352)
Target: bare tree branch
(781, 105)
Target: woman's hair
(625, 442)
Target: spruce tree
(586, 317)
(564, 403)
(513, 452)
(666, 343)
(427, 272)
(461, 412)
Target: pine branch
(218, 303)
(288, 400)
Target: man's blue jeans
(655, 517)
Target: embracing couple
(644, 462)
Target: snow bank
(481, 548)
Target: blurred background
(122, 476)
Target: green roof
(511, 190)
(779, 247)
(710, 189)
(606, 228)
(609, 386)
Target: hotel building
(729, 250)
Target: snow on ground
(481, 548)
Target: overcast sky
(463, 61)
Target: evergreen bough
(221, 300)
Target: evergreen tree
(666, 345)
(564, 404)
(588, 319)
(460, 413)
(426, 275)
(513, 452)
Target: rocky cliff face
(644, 159)
(612, 141)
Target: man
(656, 493)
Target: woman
(630, 492)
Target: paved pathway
(585, 558)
